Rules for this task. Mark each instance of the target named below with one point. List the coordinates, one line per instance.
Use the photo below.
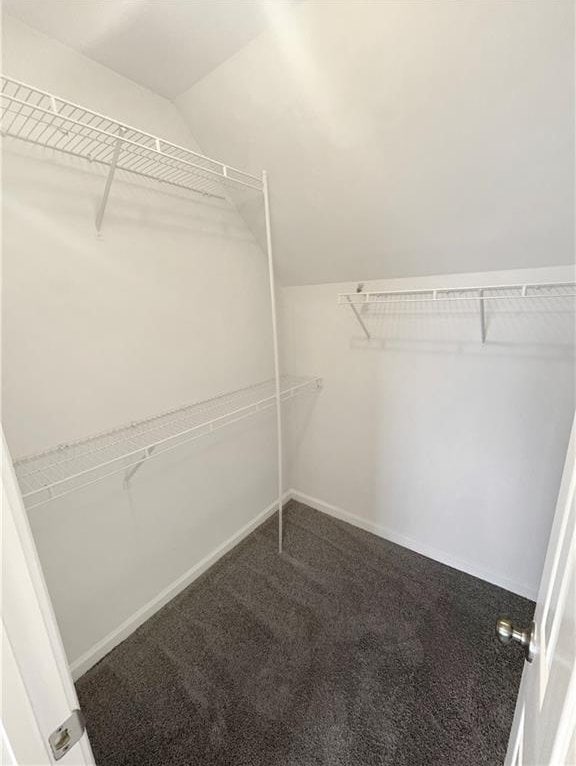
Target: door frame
(531, 694)
(38, 693)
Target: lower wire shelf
(69, 467)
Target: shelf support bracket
(482, 317)
(131, 471)
(359, 318)
(109, 179)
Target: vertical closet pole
(276, 357)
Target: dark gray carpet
(345, 651)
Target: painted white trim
(520, 589)
(101, 648)
(106, 644)
(37, 688)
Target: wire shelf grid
(40, 118)
(475, 298)
(57, 472)
(452, 294)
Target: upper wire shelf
(57, 472)
(40, 118)
(360, 301)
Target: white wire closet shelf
(361, 302)
(69, 467)
(41, 118)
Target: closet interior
(53, 123)
(279, 509)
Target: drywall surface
(426, 436)
(169, 306)
(404, 138)
(75, 77)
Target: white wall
(170, 306)
(38, 60)
(426, 436)
(404, 138)
(447, 446)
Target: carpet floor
(347, 650)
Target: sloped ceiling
(403, 138)
(165, 45)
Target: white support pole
(276, 355)
(109, 179)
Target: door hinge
(67, 734)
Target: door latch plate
(67, 734)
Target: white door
(37, 690)
(543, 732)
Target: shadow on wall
(127, 542)
(440, 442)
(543, 328)
(297, 419)
(132, 201)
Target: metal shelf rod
(380, 296)
(462, 298)
(131, 170)
(361, 300)
(102, 132)
(145, 452)
(155, 139)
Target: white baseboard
(101, 648)
(520, 589)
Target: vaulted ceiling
(165, 45)
(404, 138)
(401, 138)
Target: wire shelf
(361, 302)
(489, 293)
(57, 472)
(40, 118)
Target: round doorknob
(504, 630)
(507, 633)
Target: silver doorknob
(507, 633)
